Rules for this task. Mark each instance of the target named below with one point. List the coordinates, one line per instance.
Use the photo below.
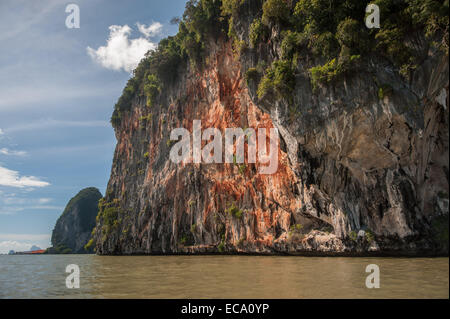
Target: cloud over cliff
(121, 52)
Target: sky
(58, 87)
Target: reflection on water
(221, 277)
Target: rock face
(357, 173)
(73, 228)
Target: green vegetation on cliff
(234, 211)
(329, 36)
(321, 67)
(201, 20)
(108, 215)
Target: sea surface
(198, 277)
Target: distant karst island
(73, 228)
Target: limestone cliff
(73, 228)
(363, 159)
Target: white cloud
(6, 246)
(12, 179)
(1, 132)
(22, 242)
(121, 52)
(6, 151)
(44, 200)
(152, 30)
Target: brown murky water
(221, 277)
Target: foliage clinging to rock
(331, 32)
(279, 79)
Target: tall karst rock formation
(362, 116)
